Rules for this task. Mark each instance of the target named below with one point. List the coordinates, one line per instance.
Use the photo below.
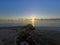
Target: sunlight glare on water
(33, 21)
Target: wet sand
(8, 35)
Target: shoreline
(37, 28)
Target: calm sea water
(40, 23)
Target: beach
(8, 34)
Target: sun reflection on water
(33, 21)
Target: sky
(29, 8)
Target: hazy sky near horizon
(29, 8)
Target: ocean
(37, 23)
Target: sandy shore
(8, 35)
